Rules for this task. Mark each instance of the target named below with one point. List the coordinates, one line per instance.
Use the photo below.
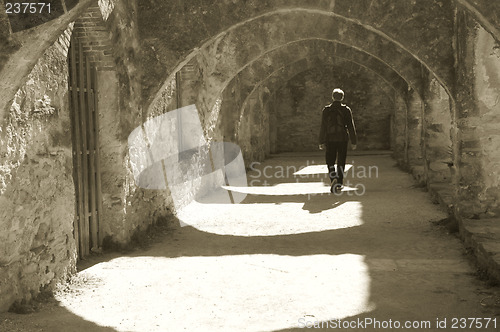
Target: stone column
(437, 130)
(414, 129)
(399, 130)
(478, 120)
(273, 130)
(112, 150)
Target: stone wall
(477, 116)
(37, 195)
(398, 136)
(36, 183)
(487, 94)
(414, 121)
(438, 147)
(478, 120)
(108, 33)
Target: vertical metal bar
(97, 158)
(83, 122)
(76, 151)
(92, 175)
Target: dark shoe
(338, 188)
(334, 183)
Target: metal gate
(85, 137)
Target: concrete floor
(291, 254)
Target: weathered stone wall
(487, 94)
(36, 183)
(438, 156)
(37, 200)
(24, 48)
(469, 170)
(399, 137)
(414, 120)
(107, 31)
(298, 107)
(253, 128)
(7, 44)
(477, 120)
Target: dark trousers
(336, 152)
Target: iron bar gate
(85, 139)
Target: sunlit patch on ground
(299, 188)
(259, 219)
(226, 293)
(318, 169)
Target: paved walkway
(291, 254)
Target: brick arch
(239, 45)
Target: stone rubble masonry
(487, 95)
(24, 48)
(36, 184)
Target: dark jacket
(348, 131)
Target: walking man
(337, 126)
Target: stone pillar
(230, 111)
(437, 130)
(414, 129)
(112, 150)
(273, 130)
(399, 130)
(478, 120)
(487, 92)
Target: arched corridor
(116, 115)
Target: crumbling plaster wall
(36, 183)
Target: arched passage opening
(253, 58)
